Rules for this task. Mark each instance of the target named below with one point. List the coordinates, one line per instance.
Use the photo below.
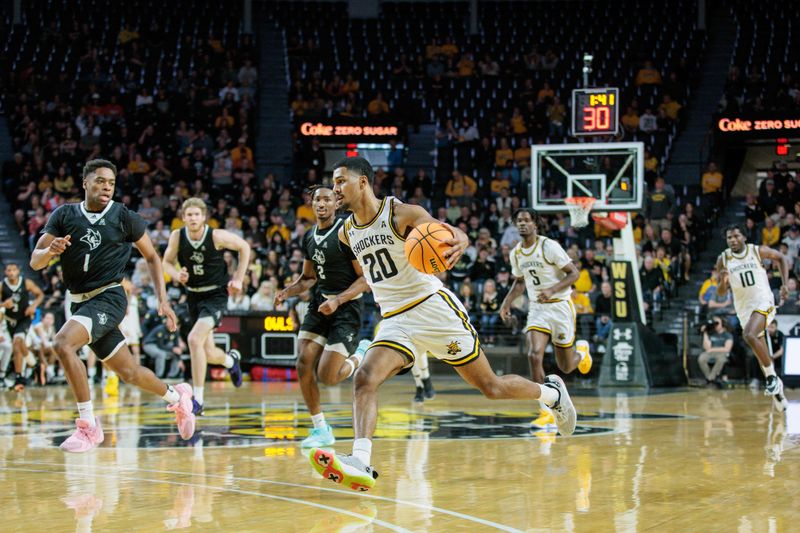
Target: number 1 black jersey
(206, 264)
(100, 243)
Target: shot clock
(595, 111)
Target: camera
(708, 325)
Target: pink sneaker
(85, 437)
(183, 411)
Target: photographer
(717, 345)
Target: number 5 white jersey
(749, 284)
(541, 265)
(396, 285)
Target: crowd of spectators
(192, 134)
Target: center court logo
(249, 425)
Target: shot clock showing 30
(595, 111)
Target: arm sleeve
(135, 226)
(555, 254)
(54, 225)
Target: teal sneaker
(319, 438)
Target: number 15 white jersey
(541, 265)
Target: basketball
(425, 247)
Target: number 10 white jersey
(748, 280)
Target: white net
(579, 209)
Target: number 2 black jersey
(206, 264)
(100, 243)
(334, 268)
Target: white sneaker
(563, 409)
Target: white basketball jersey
(541, 267)
(379, 248)
(747, 277)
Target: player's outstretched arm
(783, 265)
(145, 247)
(231, 241)
(170, 259)
(359, 286)
(410, 216)
(47, 247)
(306, 280)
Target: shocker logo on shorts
(561, 336)
(102, 318)
(453, 348)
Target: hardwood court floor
(694, 460)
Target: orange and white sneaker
(184, 416)
(85, 437)
(585, 364)
(345, 470)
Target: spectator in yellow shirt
(522, 155)
(712, 179)
(518, 126)
(630, 120)
(503, 154)
(378, 106)
(648, 75)
(242, 152)
(461, 187)
(466, 66)
(671, 107)
(304, 211)
(581, 302)
(545, 92)
(771, 233)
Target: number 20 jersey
(379, 248)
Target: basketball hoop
(579, 208)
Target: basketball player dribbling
(419, 315)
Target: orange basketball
(425, 247)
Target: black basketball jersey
(19, 295)
(100, 243)
(201, 258)
(334, 269)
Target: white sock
(416, 372)
(768, 370)
(548, 395)
(171, 396)
(92, 372)
(228, 362)
(426, 373)
(362, 450)
(86, 412)
(198, 394)
(319, 420)
(349, 362)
